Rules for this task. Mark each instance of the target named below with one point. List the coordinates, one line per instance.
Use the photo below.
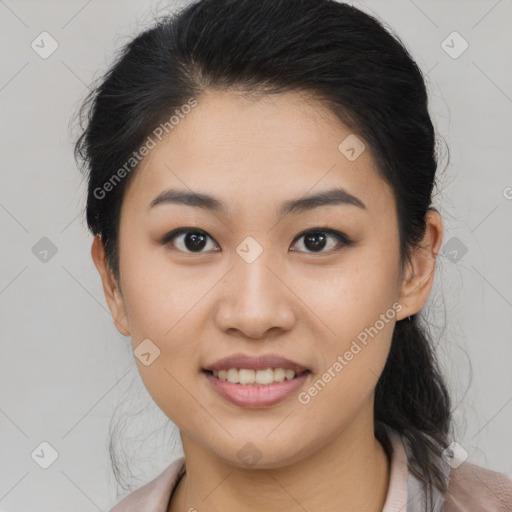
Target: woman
(260, 177)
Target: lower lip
(254, 396)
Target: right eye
(191, 240)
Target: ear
(419, 272)
(110, 287)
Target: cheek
(158, 296)
(355, 292)
(355, 306)
(165, 318)
(164, 321)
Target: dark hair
(333, 53)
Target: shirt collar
(406, 493)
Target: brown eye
(318, 239)
(187, 240)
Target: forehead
(286, 123)
(276, 146)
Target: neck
(350, 473)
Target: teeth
(279, 374)
(289, 374)
(245, 376)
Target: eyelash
(342, 239)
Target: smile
(255, 388)
(247, 376)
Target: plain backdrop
(64, 368)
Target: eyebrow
(336, 196)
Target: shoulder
(470, 488)
(153, 496)
(477, 489)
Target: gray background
(64, 367)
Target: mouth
(254, 389)
(250, 377)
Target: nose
(256, 299)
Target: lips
(255, 396)
(261, 362)
(253, 389)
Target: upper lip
(261, 362)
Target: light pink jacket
(471, 488)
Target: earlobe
(111, 290)
(419, 273)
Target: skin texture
(292, 300)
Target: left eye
(317, 240)
(195, 240)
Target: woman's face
(257, 283)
